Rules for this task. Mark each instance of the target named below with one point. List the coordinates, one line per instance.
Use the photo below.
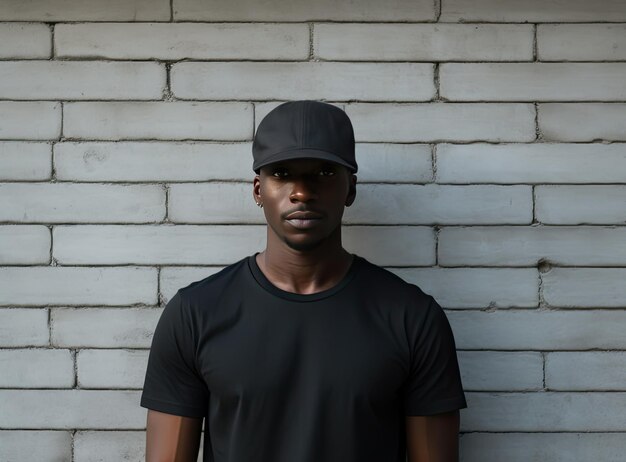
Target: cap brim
(304, 154)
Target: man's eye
(280, 173)
(327, 172)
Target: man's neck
(304, 272)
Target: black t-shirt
(284, 377)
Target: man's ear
(351, 190)
(256, 189)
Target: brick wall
(493, 174)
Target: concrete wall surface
(491, 137)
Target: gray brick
(581, 42)
(183, 41)
(25, 161)
(111, 368)
(435, 204)
(532, 11)
(308, 80)
(406, 123)
(583, 122)
(23, 245)
(31, 80)
(25, 41)
(79, 203)
(212, 245)
(531, 163)
(153, 161)
(103, 327)
(477, 287)
(579, 204)
(526, 245)
(178, 277)
(24, 327)
(585, 287)
(395, 163)
(538, 330)
(42, 446)
(58, 285)
(16, 120)
(109, 446)
(593, 370)
(36, 368)
(301, 10)
(71, 409)
(545, 411)
(423, 42)
(533, 82)
(85, 10)
(547, 447)
(501, 370)
(158, 120)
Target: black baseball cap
(304, 129)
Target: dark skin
(303, 201)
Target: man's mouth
(303, 220)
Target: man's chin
(303, 246)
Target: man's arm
(433, 438)
(172, 438)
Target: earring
(259, 204)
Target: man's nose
(303, 189)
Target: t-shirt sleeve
(172, 383)
(434, 383)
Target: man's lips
(303, 220)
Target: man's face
(304, 200)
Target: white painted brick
(392, 245)
(111, 368)
(501, 370)
(79, 203)
(183, 41)
(207, 245)
(81, 80)
(221, 245)
(526, 245)
(58, 285)
(153, 161)
(71, 409)
(532, 412)
(158, 120)
(477, 287)
(397, 163)
(532, 11)
(436, 204)
(583, 122)
(42, 446)
(16, 120)
(36, 368)
(20, 245)
(21, 327)
(302, 10)
(581, 42)
(104, 327)
(538, 330)
(195, 203)
(25, 161)
(579, 204)
(406, 123)
(26, 41)
(531, 163)
(585, 287)
(306, 80)
(423, 42)
(176, 277)
(85, 10)
(597, 370)
(109, 446)
(533, 82)
(552, 447)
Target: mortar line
(535, 53)
(53, 53)
(311, 46)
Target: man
(303, 352)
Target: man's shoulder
(214, 282)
